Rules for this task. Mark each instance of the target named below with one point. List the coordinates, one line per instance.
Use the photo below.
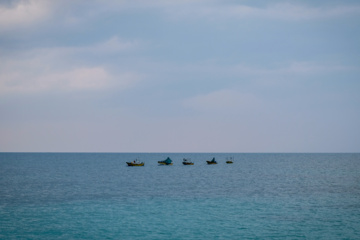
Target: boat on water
(212, 161)
(167, 161)
(136, 163)
(229, 160)
(187, 161)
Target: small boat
(186, 161)
(212, 161)
(135, 163)
(229, 160)
(167, 161)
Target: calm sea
(259, 196)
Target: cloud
(287, 11)
(23, 13)
(77, 79)
(300, 68)
(215, 10)
(112, 45)
(65, 68)
(253, 88)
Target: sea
(259, 196)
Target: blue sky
(179, 76)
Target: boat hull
(188, 163)
(210, 162)
(162, 163)
(229, 162)
(131, 164)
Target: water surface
(260, 196)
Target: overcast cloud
(179, 76)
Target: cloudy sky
(180, 76)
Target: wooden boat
(167, 161)
(212, 161)
(229, 160)
(187, 162)
(135, 163)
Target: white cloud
(77, 79)
(82, 78)
(45, 69)
(23, 13)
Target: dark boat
(167, 161)
(187, 162)
(212, 161)
(229, 160)
(135, 163)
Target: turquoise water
(260, 196)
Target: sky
(179, 76)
